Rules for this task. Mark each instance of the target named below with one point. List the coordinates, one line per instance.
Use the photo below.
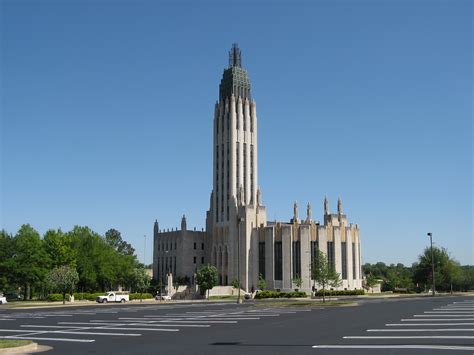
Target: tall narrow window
(251, 173)
(344, 260)
(245, 172)
(314, 254)
(296, 252)
(354, 276)
(237, 175)
(278, 261)
(331, 260)
(261, 259)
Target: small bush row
(137, 296)
(340, 293)
(274, 294)
(55, 297)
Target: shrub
(54, 297)
(137, 296)
(274, 294)
(340, 293)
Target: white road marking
(192, 318)
(74, 332)
(424, 330)
(50, 339)
(413, 337)
(432, 347)
(442, 315)
(423, 324)
(450, 312)
(435, 319)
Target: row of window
(166, 246)
(195, 246)
(296, 258)
(195, 259)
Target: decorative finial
(295, 211)
(183, 223)
(339, 206)
(309, 213)
(326, 205)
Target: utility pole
(432, 264)
(144, 250)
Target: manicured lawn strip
(13, 343)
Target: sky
(107, 109)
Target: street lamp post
(432, 264)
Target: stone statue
(259, 197)
(309, 213)
(339, 206)
(326, 205)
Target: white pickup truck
(3, 300)
(114, 296)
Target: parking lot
(420, 326)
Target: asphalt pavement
(440, 325)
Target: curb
(20, 349)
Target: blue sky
(107, 114)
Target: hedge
(274, 294)
(137, 296)
(340, 293)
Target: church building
(238, 239)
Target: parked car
(12, 296)
(114, 296)
(2, 299)
(162, 297)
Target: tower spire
(235, 56)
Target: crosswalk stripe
(424, 330)
(50, 339)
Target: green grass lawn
(229, 297)
(13, 343)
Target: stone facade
(238, 239)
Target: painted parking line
(424, 330)
(435, 319)
(72, 332)
(50, 339)
(178, 321)
(428, 347)
(411, 337)
(423, 324)
(443, 315)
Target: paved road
(443, 325)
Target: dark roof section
(235, 79)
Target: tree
(29, 260)
(262, 285)
(114, 239)
(235, 283)
(446, 269)
(141, 281)
(371, 281)
(298, 281)
(58, 247)
(63, 279)
(206, 278)
(324, 274)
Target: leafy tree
(114, 239)
(6, 265)
(58, 247)
(324, 274)
(235, 283)
(298, 281)
(63, 279)
(371, 281)
(29, 260)
(141, 281)
(262, 285)
(206, 278)
(446, 269)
